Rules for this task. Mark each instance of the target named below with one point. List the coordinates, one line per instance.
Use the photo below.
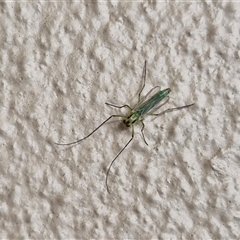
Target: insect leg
(143, 126)
(78, 141)
(144, 79)
(116, 158)
(112, 105)
(171, 110)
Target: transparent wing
(151, 101)
(148, 95)
(158, 106)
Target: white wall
(60, 63)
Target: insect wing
(151, 93)
(153, 102)
(158, 106)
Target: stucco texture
(60, 62)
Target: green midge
(143, 108)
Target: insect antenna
(78, 141)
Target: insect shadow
(147, 105)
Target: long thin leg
(171, 109)
(112, 105)
(144, 80)
(117, 157)
(78, 141)
(143, 126)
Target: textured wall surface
(60, 63)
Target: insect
(145, 106)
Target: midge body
(138, 113)
(145, 106)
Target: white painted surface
(60, 62)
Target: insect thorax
(131, 119)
